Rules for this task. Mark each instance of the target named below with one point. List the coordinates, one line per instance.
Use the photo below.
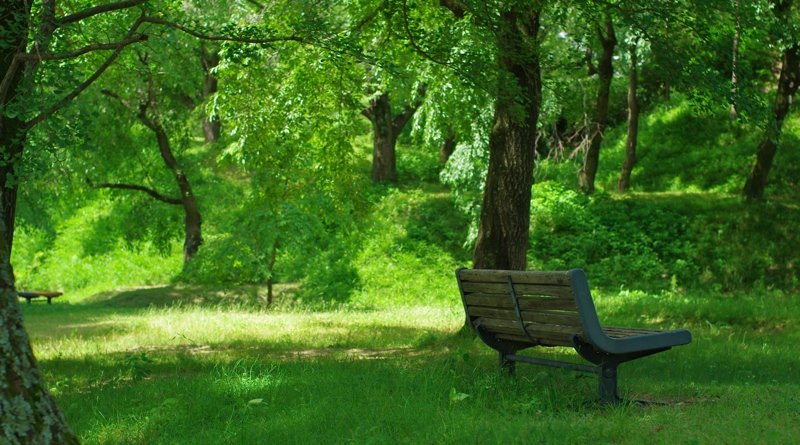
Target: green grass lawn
(183, 365)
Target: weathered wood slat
(556, 318)
(617, 332)
(517, 276)
(525, 303)
(522, 338)
(536, 330)
(520, 289)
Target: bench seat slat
(517, 276)
(525, 303)
(616, 332)
(520, 289)
(523, 339)
(556, 318)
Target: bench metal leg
(507, 365)
(608, 383)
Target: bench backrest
(545, 301)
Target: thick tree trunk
(211, 127)
(385, 130)
(502, 241)
(787, 86)
(605, 71)
(384, 164)
(448, 147)
(13, 21)
(28, 413)
(633, 127)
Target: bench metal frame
(31, 295)
(592, 343)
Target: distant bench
(36, 294)
(556, 309)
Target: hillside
(683, 227)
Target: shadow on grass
(191, 295)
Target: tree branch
(84, 50)
(370, 17)
(258, 5)
(413, 42)
(6, 83)
(179, 27)
(140, 188)
(98, 10)
(114, 95)
(63, 102)
(455, 7)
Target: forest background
(327, 165)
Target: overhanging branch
(63, 102)
(84, 50)
(98, 10)
(139, 188)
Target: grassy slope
(367, 351)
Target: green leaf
(456, 396)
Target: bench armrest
(594, 332)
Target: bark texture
(385, 130)
(28, 413)
(633, 127)
(502, 241)
(787, 86)
(605, 71)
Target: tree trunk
(633, 127)
(502, 241)
(787, 86)
(270, 265)
(448, 147)
(28, 413)
(192, 221)
(212, 126)
(384, 165)
(605, 71)
(13, 21)
(734, 59)
(385, 130)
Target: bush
(663, 241)
(615, 241)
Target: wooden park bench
(516, 310)
(29, 295)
